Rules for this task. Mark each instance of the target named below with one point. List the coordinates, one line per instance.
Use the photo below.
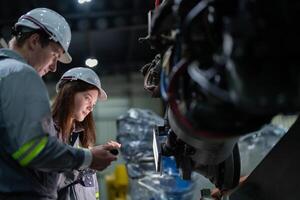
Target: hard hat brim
(103, 95)
(65, 58)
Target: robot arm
(221, 77)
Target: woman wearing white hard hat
(78, 92)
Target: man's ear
(33, 42)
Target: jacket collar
(76, 129)
(8, 53)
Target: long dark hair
(62, 110)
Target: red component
(178, 69)
(157, 2)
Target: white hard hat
(84, 74)
(53, 24)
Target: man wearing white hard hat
(30, 154)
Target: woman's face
(84, 103)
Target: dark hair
(62, 108)
(23, 33)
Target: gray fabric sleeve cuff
(87, 159)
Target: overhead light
(83, 1)
(91, 62)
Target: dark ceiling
(105, 29)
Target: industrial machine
(223, 68)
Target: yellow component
(97, 195)
(117, 183)
(30, 150)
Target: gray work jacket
(30, 154)
(78, 184)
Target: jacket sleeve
(57, 156)
(29, 136)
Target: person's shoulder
(16, 68)
(21, 75)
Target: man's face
(47, 57)
(44, 59)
